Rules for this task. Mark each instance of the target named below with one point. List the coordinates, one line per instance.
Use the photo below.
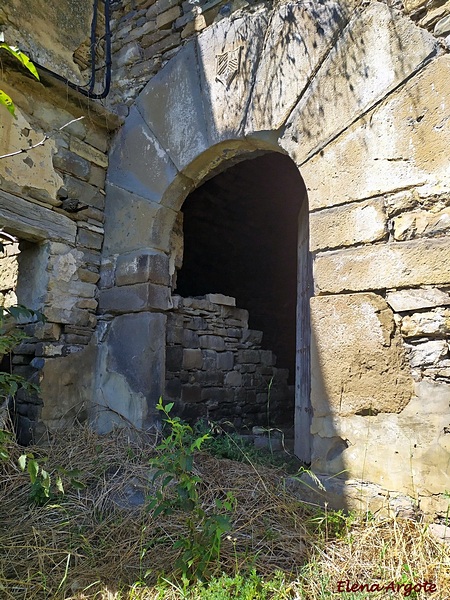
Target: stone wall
(9, 267)
(148, 33)
(52, 198)
(216, 369)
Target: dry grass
(92, 544)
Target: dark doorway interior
(240, 239)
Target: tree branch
(46, 137)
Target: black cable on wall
(89, 93)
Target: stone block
(399, 439)
(429, 324)
(221, 299)
(164, 20)
(252, 336)
(209, 359)
(212, 342)
(133, 150)
(192, 359)
(233, 379)
(174, 358)
(141, 266)
(190, 339)
(84, 192)
(89, 239)
(421, 223)
(191, 393)
(225, 361)
(88, 152)
(392, 265)
(173, 388)
(249, 356)
(130, 219)
(34, 221)
(375, 36)
(131, 368)
(229, 93)
(176, 91)
(128, 55)
(398, 145)
(290, 65)
(358, 363)
(134, 298)
(69, 162)
(357, 223)
(97, 176)
(416, 299)
(428, 354)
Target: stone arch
(302, 79)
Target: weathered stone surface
(50, 33)
(175, 95)
(165, 19)
(428, 353)
(299, 37)
(412, 443)
(358, 362)
(135, 298)
(426, 324)
(137, 162)
(348, 225)
(400, 144)
(221, 299)
(141, 266)
(69, 162)
(408, 300)
(384, 266)
(35, 171)
(131, 221)
(66, 389)
(376, 36)
(89, 239)
(225, 101)
(131, 370)
(421, 223)
(88, 152)
(192, 358)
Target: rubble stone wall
(216, 369)
(52, 198)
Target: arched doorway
(240, 240)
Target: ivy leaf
(5, 100)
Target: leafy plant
(25, 61)
(180, 491)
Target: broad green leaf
(23, 58)
(22, 461)
(6, 101)
(33, 469)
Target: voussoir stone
(226, 98)
(292, 51)
(401, 144)
(174, 94)
(350, 80)
(137, 162)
